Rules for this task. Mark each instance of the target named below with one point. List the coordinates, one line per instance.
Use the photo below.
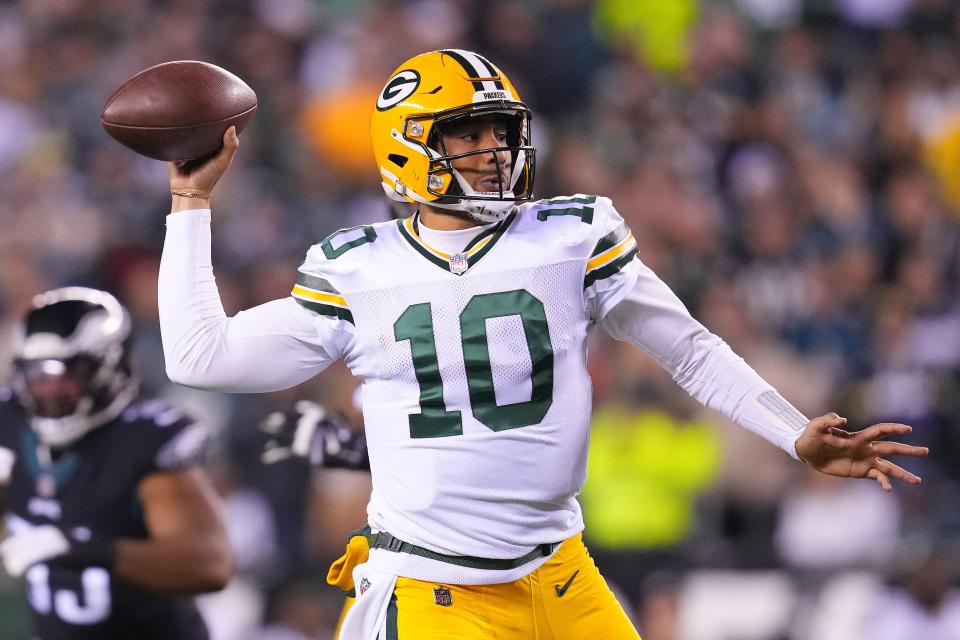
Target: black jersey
(91, 489)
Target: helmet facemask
(72, 368)
(453, 190)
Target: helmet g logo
(398, 89)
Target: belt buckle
(388, 542)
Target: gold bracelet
(192, 194)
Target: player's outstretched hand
(202, 175)
(828, 448)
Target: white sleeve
(652, 318)
(273, 346)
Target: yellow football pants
(565, 599)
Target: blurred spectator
(641, 454)
(924, 603)
(789, 167)
(823, 525)
(304, 608)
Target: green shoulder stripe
(326, 309)
(315, 283)
(608, 270)
(611, 240)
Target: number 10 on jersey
(434, 420)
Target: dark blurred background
(791, 168)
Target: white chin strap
(488, 210)
(481, 210)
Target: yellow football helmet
(423, 95)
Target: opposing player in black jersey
(110, 518)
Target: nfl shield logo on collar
(458, 263)
(442, 596)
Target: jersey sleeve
(163, 437)
(652, 318)
(612, 267)
(206, 349)
(318, 284)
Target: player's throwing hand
(827, 447)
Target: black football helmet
(71, 368)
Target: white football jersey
(476, 397)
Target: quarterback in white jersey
(467, 324)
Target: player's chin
(489, 188)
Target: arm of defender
(188, 550)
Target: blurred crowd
(790, 168)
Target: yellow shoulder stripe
(612, 253)
(300, 291)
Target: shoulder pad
(578, 219)
(612, 245)
(170, 436)
(579, 206)
(344, 249)
(186, 448)
(157, 413)
(583, 214)
(325, 273)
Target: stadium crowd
(790, 168)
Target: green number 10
(434, 420)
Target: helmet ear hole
(397, 159)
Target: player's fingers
(880, 478)
(895, 471)
(827, 422)
(839, 433)
(886, 448)
(230, 137)
(883, 429)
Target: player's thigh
(576, 601)
(461, 612)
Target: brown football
(178, 110)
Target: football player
(467, 325)
(110, 518)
